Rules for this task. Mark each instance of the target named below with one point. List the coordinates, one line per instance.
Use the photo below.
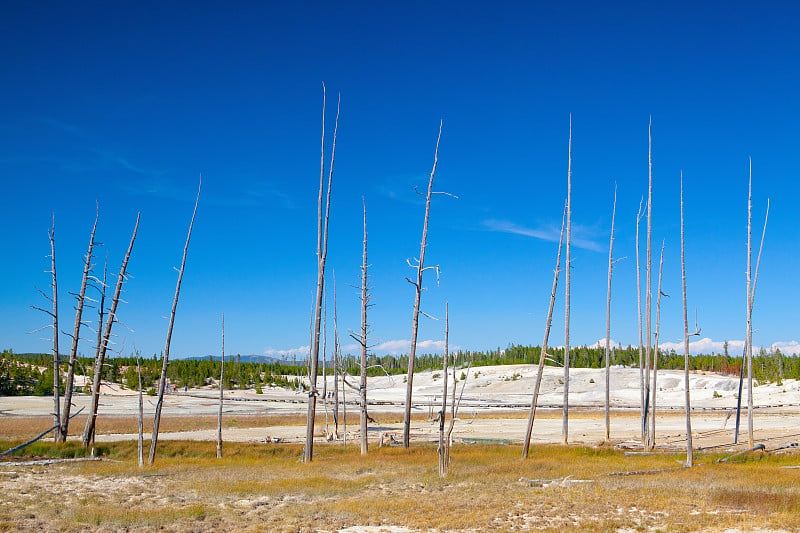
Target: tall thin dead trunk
(162, 382)
(88, 432)
(608, 319)
(56, 372)
(76, 330)
(649, 268)
(325, 357)
(101, 317)
(221, 391)
(526, 443)
(655, 351)
(689, 450)
(443, 444)
(336, 369)
(565, 415)
(420, 268)
(750, 343)
(322, 253)
(362, 390)
(140, 443)
(639, 216)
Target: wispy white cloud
(705, 345)
(582, 236)
(403, 346)
(786, 347)
(300, 350)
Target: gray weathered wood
(221, 391)
(567, 283)
(608, 319)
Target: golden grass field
(265, 487)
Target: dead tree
(221, 390)
(689, 450)
(100, 315)
(88, 432)
(750, 342)
(140, 443)
(543, 355)
(608, 319)
(322, 253)
(420, 268)
(335, 364)
(565, 415)
(56, 373)
(73, 353)
(165, 358)
(639, 216)
(649, 268)
(362, 390)
(443, 444)
(652, 441)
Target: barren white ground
(494, 407)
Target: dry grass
(266, 488)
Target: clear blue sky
(127, 103)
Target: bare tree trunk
(100, 321)
(689, 450)
(649, 268)
(527, 442)
(325, 356)
(643, 404)
(221, 391)
(56, 372)
(73, 353)
(165, 359)
(88, 432)
(362, 390)
(752, 302)
(655, 351)
(608, 319)
(336, 369)
(443, 445)
(565, 415)
(420, 267)
(140, 447)
(322, 253)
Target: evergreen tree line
(32, 374)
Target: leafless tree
(686, 334)
(420, 269)
(336, 369)
(649, 268)
(443, 444)
(322, 253)
(73, 353)
(221, 391)
(88, 432)
(643, 403)
(162, 382)
(543, 355)
(652, 441)
(363, 341)
(608, 319)
(140, 443)
(565, 415)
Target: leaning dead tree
(165, 359)
(100, 315)
(565, 415)
(88, 431)
(648, 288)
(419, 266)
(73, 353)
(221, 390)
(322, 253)
(608, 319)
(362, 389)
(543, 355)
(652, 441)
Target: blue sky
(128, 103)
